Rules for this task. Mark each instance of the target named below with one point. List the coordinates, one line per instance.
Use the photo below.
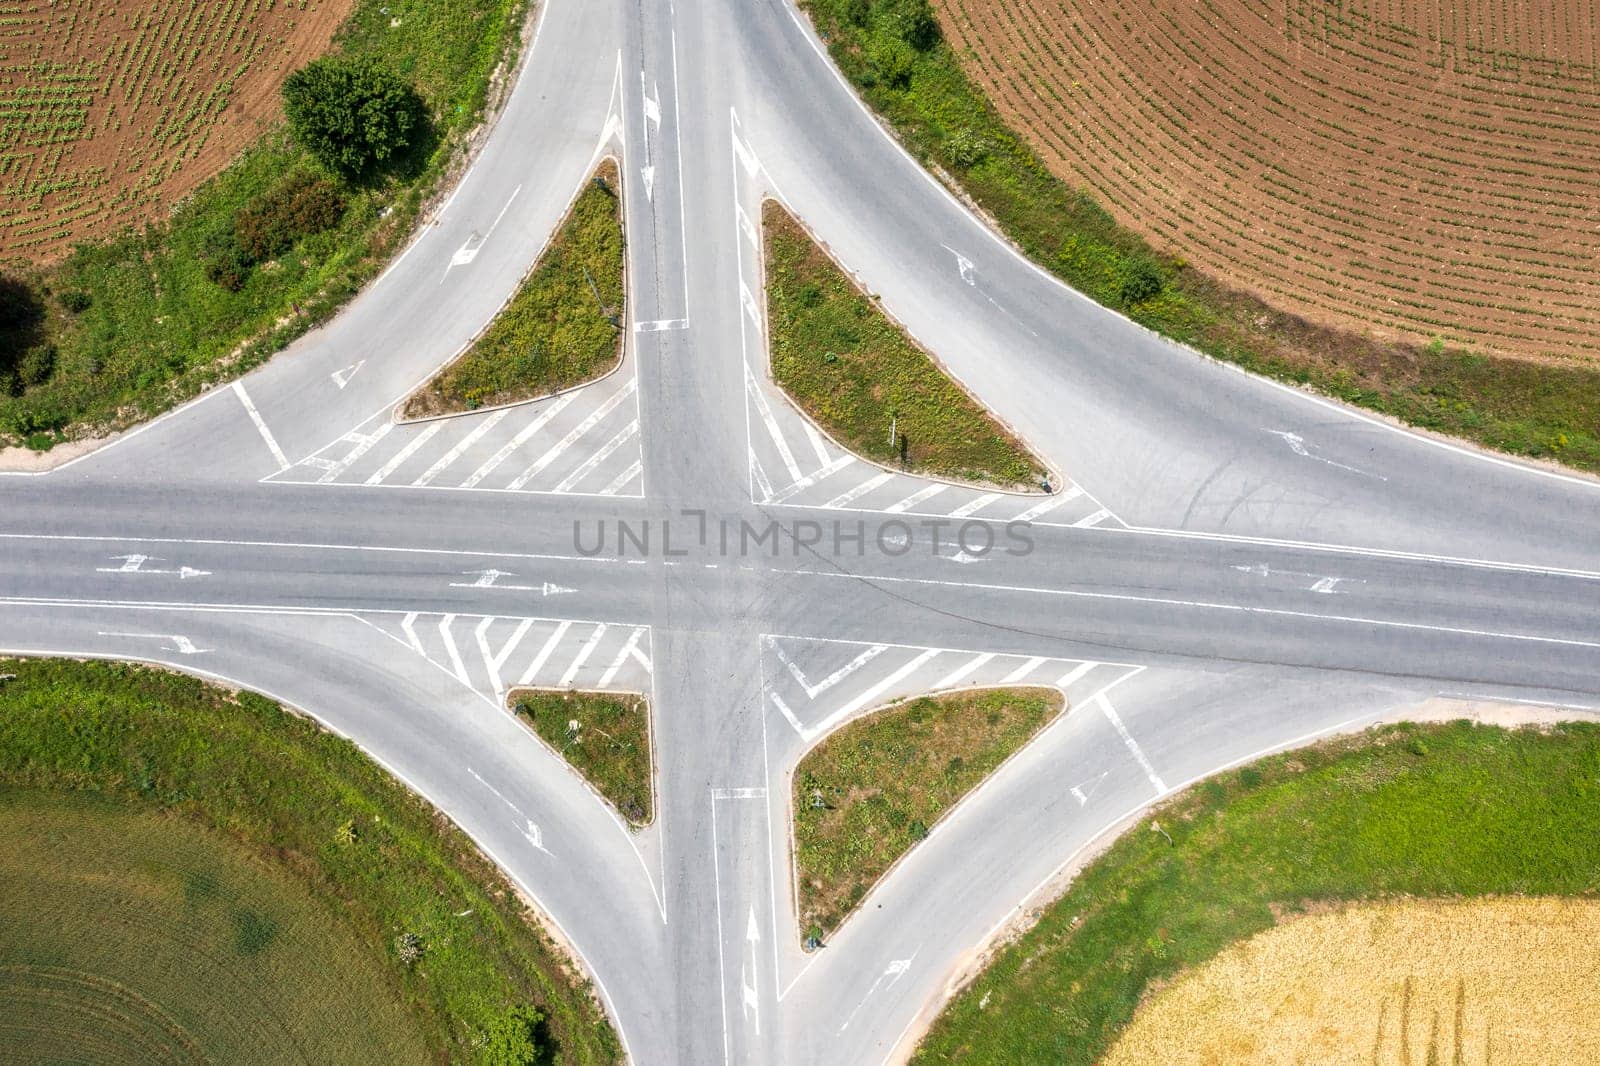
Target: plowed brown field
(110, 111)
(1408, 168)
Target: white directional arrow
(342, 378)
(1297, 444)
(649, 176)
(749, 979)
(964, 265)
(963, 556)
(652, 105)
(180, 643)
(489, 579)
(894, 971)
(1082, 791)
(533, 836)
(1325, 584)
(134, 564)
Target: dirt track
(1392, 166)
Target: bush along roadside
(274, 244)
(892, 53)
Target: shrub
(1141, 281)
(892, 59)
(302, 204)
(226, 263)
(517, 1038)
(76, 300)
(966, 147)
(353, 114)
(911, 21)
(36, 365)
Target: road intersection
(1226, 566)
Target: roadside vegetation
(872, 790)
(606, 738)
(562, 328)
(1444, 811)
(134, 323)
(431, 925)
(893, 53)
(857, 373)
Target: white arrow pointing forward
(489, 579)
(134, 564)
(181, 644)
(750, 978)
(342, 378)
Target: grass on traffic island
(605, 736)
(278, 861)
(1445, 811)
(872, 790)
(563, 326)
(859, 376)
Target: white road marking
(642, 658)
(660, 325)
(1023, 671)
(872, 693)
(812, 478)
(920, 496)
(469, 251)
(1133, 747)
(342, 378)
(1297, 444)
(759, 475)
(813, 691)
(1039, 509)
(960, 673)
(539, 422)
(771, 423)
(739, 793)
(408, 625)
(261, 426)
(363, 445)
(451, 650)
(818, 445)
(534, 837)
(1092, 520)
(583, 655)
(498, 661)
(622, 657)
(544, 653)
(963, 265)
(623, 478)
(750, 978)
(783, 708)
(594, 419)
(460, 449)
(894, 971)
(399, 457)
(583, 470)
(1081, 793)
(849, 496)
(975, 505)
(180, 643)
(134, 564)
(1074, 674)
(479, 635)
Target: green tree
(517, 1038)
(910, 20)
(355, 115)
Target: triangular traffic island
(605, 736)
(866, 382)
(562, 328)
(872, 790)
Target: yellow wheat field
(1496, 982)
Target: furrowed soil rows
(1399, 167)
(108, 112)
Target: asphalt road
(1226, 566)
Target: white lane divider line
(1092, 520)
(623, 478)
(1133, 747)
(480, 634)
(920, 496)
(759, 475)
(519, 440)
(1040, 509)
(409, 625)
(962, 672)
(460, 449)
(783, 708)
(587, 466)
(850, 496)
(751, 308)
(497, 661)
(583, 654)
(450, 648)
(261, 425)
(1023, 671)
(972, 506)
(399, 458)
(575, 434)
(812, 478)
(363, 446)
(872, 693)
(1074, 674)
(771, 423)
(544, 653)
(622, 656)
(642, 659)
(813, 691)
(818, 445)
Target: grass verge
(872, 790)
(861, 378)
(1439, 811)
(606, 738)
(563, 326)
(1525, 408)
(156, 329)
(177, 941)
(448, 936)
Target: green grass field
(868, 793)
(1525, 408)
(1436, 811)
(562, 327)
(606, 738)
(436, 928)
(158, 329)
(127, 935)
(857, 373)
